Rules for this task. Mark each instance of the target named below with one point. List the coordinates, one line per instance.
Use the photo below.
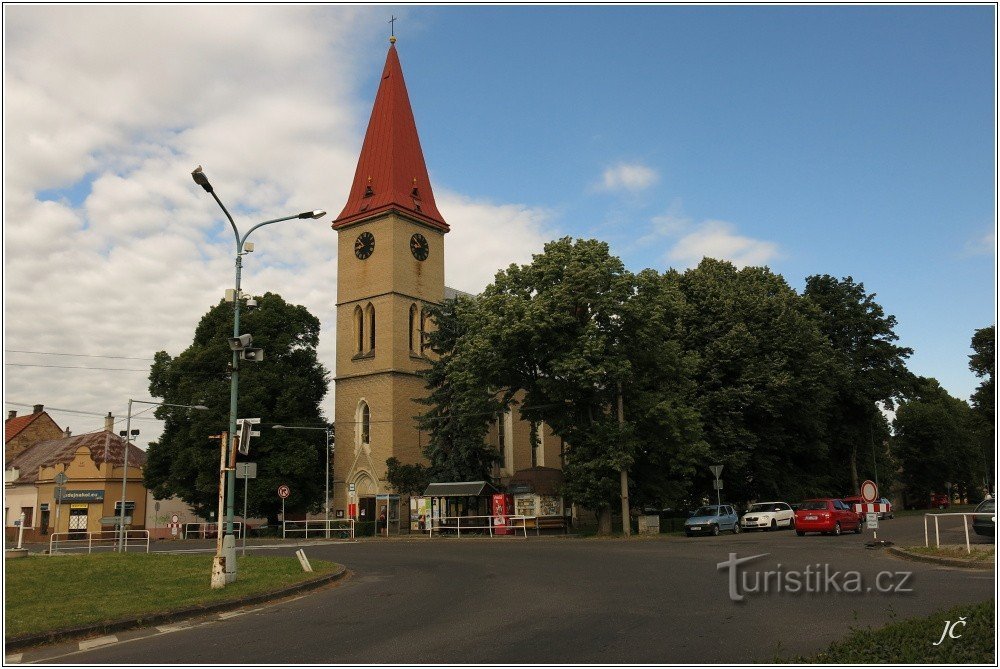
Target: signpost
(245, 471)
(61, 479)
(283, 493)
(869, 507)
(717, 471)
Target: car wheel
(857, 530)
(715, 530)
(736, 528)
(774, 525)
(800, 533)
(791, 523)
(690, 534)
(836, 530)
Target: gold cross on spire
(392, 29)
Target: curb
(944, 561)
(51, 636)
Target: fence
(937, 528)
(91, 541)
(209, 530)
(341, 528)
(455, 523)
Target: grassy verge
(979, 554)
(55, 592)
(912, 641)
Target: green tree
(983, 363)
(869, 367)
(762, 382)
(461, 400)
(286, 387)
(935, 442)
(406, 479)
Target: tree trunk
(855, 483)
(604, 522)
(623, 475)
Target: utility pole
(626, 520)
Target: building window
(364, 422)
(423, 329)
(371, 326)
(359, 327)
(413, 325)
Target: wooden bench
(549, 523)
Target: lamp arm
(231, 222)
(260, 225)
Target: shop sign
(70, 496)
(519, 489)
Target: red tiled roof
(391, 172)
(104, 447)
(14, 426)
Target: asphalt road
(564, 600)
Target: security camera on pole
(241, 351)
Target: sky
(852, 141)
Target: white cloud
(632, 177)
(718, 239)
(487, 237)
(984, 245)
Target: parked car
(851, 501)
(826, 516)
(712, 519)
(888, 512)
(939, 500)
(768, 516)
(986, 525)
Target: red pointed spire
(391, 172)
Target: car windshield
(760, 508)
(707, 511)
(813, 506)
(988, 506)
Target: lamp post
(327, 430)
(229, 544)
(128, 435)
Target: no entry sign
(283, 491)
(869, 491)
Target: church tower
(390, 268)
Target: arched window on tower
(359, 328)
(370, 317)
(423, 330)
(413, 325)
(364, 423)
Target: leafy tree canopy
(286, 387)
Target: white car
(768, 516)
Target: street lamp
(128, 436)
(327, 499)
(229, 544)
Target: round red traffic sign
(283, 491)
(869, 492)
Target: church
(390, 269)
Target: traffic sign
(61, 478)
(283, 491)
(60, 492)
(174, 519)
(869, 491)
(716, 470)
(871, 520)
(246, 470)
(717, 484)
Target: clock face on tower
(419, 246)
(364, 245)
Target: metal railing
(91, 541)
(203, 530)
(456, 523)
(339, 528)
(524, 523)
(937, 527)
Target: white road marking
(231, 614)
(90, 644)
(13, 658)
(167, 629)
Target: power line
(76, 355)
(79, 412)
(106, 369)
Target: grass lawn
(912, 641)
(54, 592)
(979, 553)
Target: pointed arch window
(423, 330)
(359, 328)
(370, 318)
(364, 423)
(413, 325)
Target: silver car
(712, 519)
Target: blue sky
(851, 140)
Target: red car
(826, 516)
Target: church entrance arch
(366, 489)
